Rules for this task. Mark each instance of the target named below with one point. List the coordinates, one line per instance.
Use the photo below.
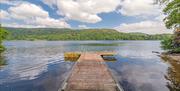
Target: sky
(123, 15)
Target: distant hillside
(77, 34)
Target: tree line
(77, 34)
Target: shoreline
(171, 56)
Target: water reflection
(139, 75)
(41, 66)
(103, 44)
(33, 66)
(173, 75)
(28, 63)
(48, 81)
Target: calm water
(40, 65)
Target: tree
(3, 34)
(172, 20)
(172, 10)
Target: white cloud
(11, 2)
(30, 15)
(23, 14)
(4, 14)
(5, 1)
(82, 26)
(142, 8)
(149, 27)
(138, 7)
(50, 22)
(84, 10)
(17, 25)
(27, 11)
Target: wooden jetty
(90, 73)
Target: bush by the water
(2, 48)
(3, 34)
(2, 61)
(168, 44)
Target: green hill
(77, 34)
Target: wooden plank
(90, 73)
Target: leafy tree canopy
(172, 10)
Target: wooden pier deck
(90, 73)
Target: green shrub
(3, 34)
(2, 48)
(176, 50)
(168, 44)
(2, 61)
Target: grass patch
(71, 56)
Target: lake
(40, 65)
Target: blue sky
(122, 15)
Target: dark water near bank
(40, 65)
